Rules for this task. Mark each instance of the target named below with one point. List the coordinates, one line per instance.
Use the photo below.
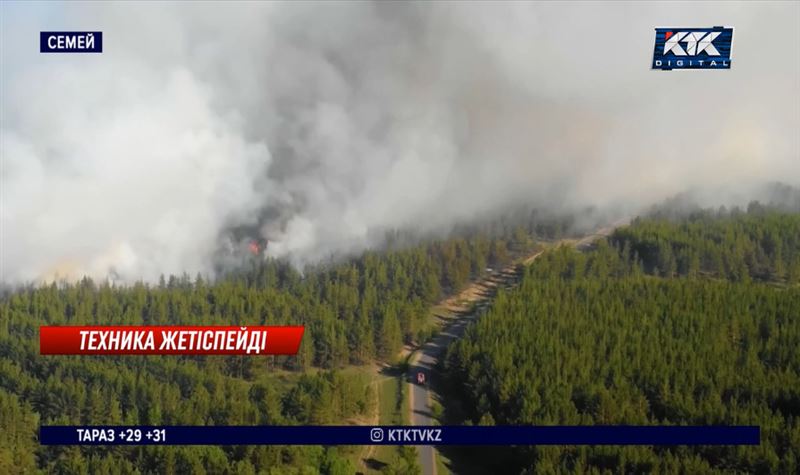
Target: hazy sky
(320, 122)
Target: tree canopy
(634, 333)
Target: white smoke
(343, 118)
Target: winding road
(478, 293)
(424, 359)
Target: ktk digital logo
(693, 48)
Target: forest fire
(257, 246)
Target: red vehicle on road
(420, 377)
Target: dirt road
(425, 358)
(474, 296)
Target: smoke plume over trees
(317, 126)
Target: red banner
(169, 340)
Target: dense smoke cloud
(316, 124)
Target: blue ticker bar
(399, 435)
